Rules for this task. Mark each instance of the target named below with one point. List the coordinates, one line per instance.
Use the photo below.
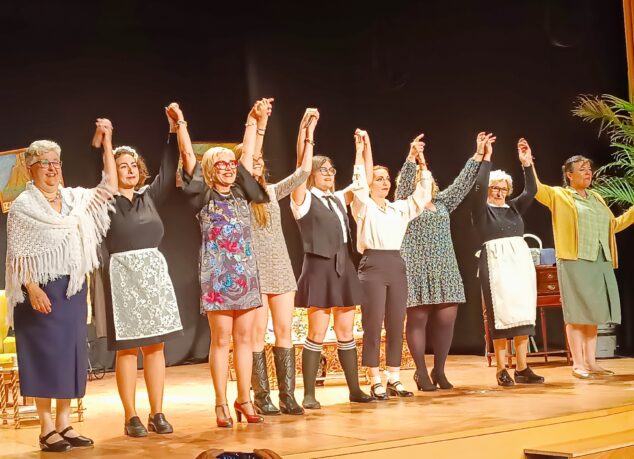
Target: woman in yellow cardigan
(585, 245)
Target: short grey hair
(38, 148)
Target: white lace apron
(143, 298)
(513, 282)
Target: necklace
(56, 197)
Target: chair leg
(487, 337)
(542, 315)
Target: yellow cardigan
(565, 220)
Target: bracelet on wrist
(252, 123)
(181, 122)
(310, 142)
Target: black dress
(495, 223)
(141, 305)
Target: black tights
(441, 318)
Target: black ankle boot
(504, 378)
(349, 363)
(526, 376)
(260, 384)
(285, 371)
(421, 378)
(440, 379)
(310, 366)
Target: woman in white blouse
(381, 225)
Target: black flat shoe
(159, 424)
(373, 393)
(60, 446)
(526, 376)
(76, 442)
(504, 378)
(393, 390)
(424, 383)
(134, 428)
(440, 379)
(361, 397)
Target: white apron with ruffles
(513, 282)
(143, 299)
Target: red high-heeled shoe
(225, 421)
(251, 418)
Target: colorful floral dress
(227, 266)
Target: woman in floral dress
(220, 190)
(433, 280)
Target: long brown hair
(258, 209)
(140, 162)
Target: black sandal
(60, 446)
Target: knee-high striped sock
(347, 351)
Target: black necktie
(330, 200)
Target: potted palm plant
(615, 180)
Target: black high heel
(440, 379)
(383, 396)
(393, 389)
(60, 446)
(424, 383)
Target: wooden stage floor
(477, 408)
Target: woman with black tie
(329, 280)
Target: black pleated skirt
(320, 286)
(52, 348)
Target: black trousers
(382, 276)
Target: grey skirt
(589, 293)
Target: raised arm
(524, 200)
(305, 161)
(484, 148)
(185, 148)
(261, 109)
(453, 195)
(103, 138)
(414, 204)
(305, 147)
(406, 183)
(165, 181)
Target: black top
(498, 222)
(320, 228)
(136, 224)
(199, 194)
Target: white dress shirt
(384, 229)
(300, 210)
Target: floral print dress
(227, 265)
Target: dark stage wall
(449, 71)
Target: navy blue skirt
(52, 349)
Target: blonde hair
(498, 176)
(208, 161)
(258, 209)
(318, 161)
(144, 174)
(38, 148)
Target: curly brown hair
(140, 162)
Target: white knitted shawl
(43, 245)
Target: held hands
(175, 116)
(309, 122)
(39, 299)
(103, 132)
(361, 140)
(524, 153)
(262, 109)
(484, 145)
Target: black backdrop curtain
(449, 71)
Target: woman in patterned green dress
(433, 280)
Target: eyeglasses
(45, 164)
(226, 165)
(327, 171)
(499, 190)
